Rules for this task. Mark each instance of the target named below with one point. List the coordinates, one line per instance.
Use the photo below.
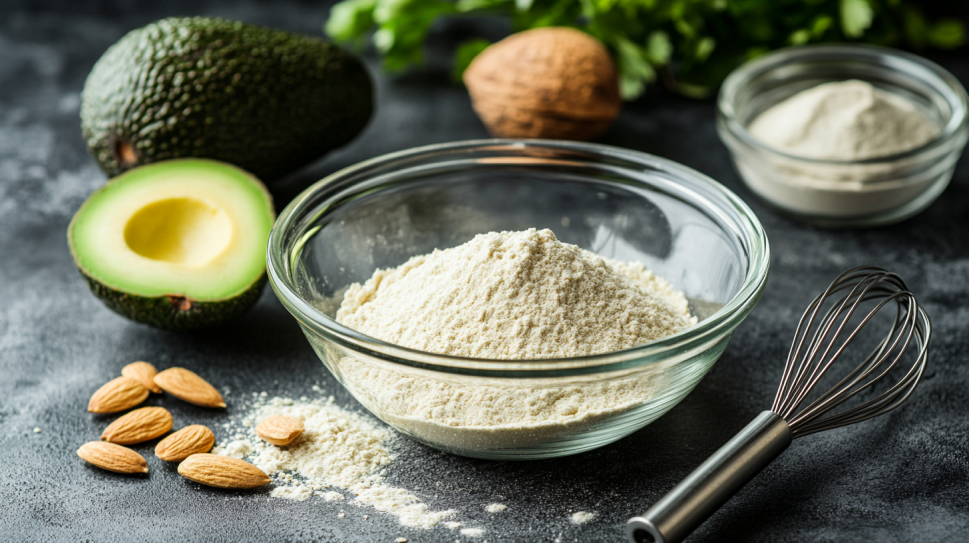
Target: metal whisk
(821, 339)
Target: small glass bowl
(837, 193)
(617, 203)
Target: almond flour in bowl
(512, 296)
(515, 296)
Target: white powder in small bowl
(844, 120)
(857, 124)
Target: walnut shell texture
(550, 82)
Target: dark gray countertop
(903, 477)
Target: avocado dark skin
(175, 312)
(265, 100)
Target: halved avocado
(179, 244)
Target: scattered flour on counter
(296, 492)
(402, 504)
(332, 496)
(472, 532)
(581, 517)
(338, 448)
(495, 508)
(451, 525)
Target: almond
(144, 373)
(139, 425)
(280, 429)
(113, 457)
(186, 385)
(117, 395)
(190, 440)
(222, 471)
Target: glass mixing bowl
(614, 202)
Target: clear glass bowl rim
(738, 79)
(714, 327)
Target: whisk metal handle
(689, 504)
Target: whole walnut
(551, 82)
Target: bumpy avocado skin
(265, 100)
(175, 312)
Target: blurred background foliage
(690, 45)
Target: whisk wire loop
(848, 387)
(798, 365)
(805, 325)
(870, 362)
(785, 404)
(818, 344)
(805, 383)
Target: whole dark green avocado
(264, 100)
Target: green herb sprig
(691, 45)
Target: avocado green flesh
(265, 100)
(178, 244)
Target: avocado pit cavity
(182, 231)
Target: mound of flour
(509, 295)
(515, 295)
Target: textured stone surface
(904, 477)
